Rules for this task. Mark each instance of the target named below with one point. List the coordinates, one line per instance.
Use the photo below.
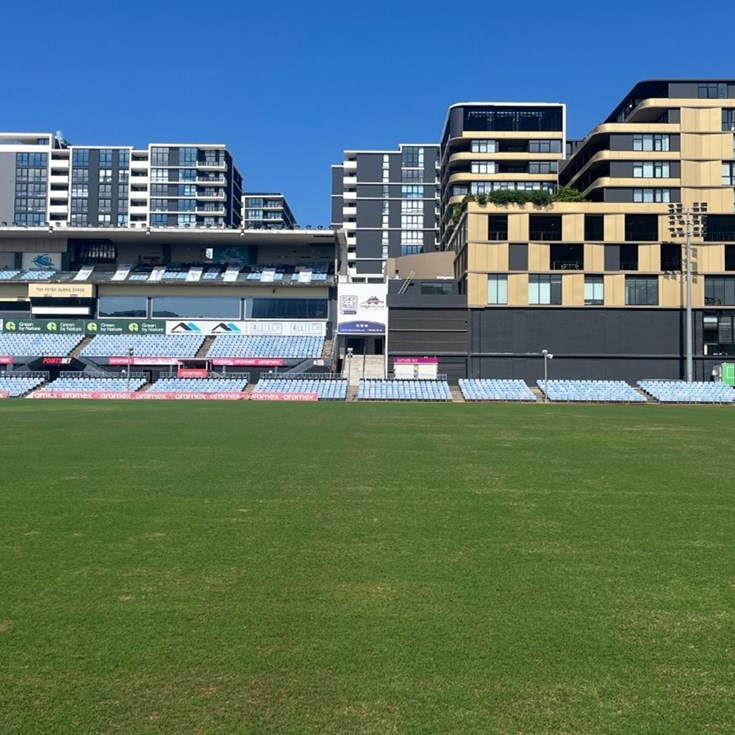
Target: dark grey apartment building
(267, 211)
(387, 204)
(45, 181)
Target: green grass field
(348, 568)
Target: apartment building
(387, 203)
(47, 182)
(267, 211)
(600, 282)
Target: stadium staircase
(204, 349)
(457, 396)
(373, 366)
(75, 352)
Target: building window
(80, 176)
(412, 174)
(123, 158)
(544, 146)
(497, 289)
(484, 146)
(187, 174)
(719, 290)
(651, 195)
(712, 90)
(544, 227)
(483, 167)
(728, 173)
(79, 205)
(159, 156)
(594, 227)
(80, 157)
(670, 257)
(728, 120)
(106, 158)
(104, 205)
(641, 290)
(651, 170)
(412, 192)
(542, 167)
(187, 156)
(105, 175)
(641, 227)
(159, 220)
(730, 257)
(159, 174)
(628, 257)
(720, 228)
(104, 190)
(544, 289)
(565, 257)
(412, 157)
(651, 142)
(518, 119)
(497, 227)
(186, 220)
(594, 290)
(80, 190)
(408, 250)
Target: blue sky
(289, 85)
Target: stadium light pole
(131, 352)
(547, 356)
(687, 221)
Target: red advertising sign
(416, 361)
(6, 360)
(249, 361)
(143, 361)
(192, 373)
(4, 393)
(284, 396)
(145, 395)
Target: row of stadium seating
(403, 390)
(94, 383)
(18, 385)
(328, 390)
(264, 346)
(486, 389)
(38, 345)
(199, 385)
(161, 345)
(673, 391)
(590, 391)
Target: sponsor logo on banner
(6, 360)
(284, 396)
(362, 308)
(144, 396)
(248, 361)
(192, 373)
(254, 327)
(143, 361)
(416, 360)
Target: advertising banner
(416, 361)
(41, 261)
(247, 328)
(6, 360)
(61, 290)
(248, 361)
(4, 393)
(362, 308)
(284, 396)
(125, 326)
(146, 395)
(83, 326)
(192, 373)
(143, 361)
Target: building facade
(47, 182)
(262, 211)
(600, 281)
(494, 146)
(387, 204)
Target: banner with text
(83, 326)
(212, 328)
(362, 308)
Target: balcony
(212, 180)
(218, 212)
(210, 195)
(211, 165)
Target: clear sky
(289, 85)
